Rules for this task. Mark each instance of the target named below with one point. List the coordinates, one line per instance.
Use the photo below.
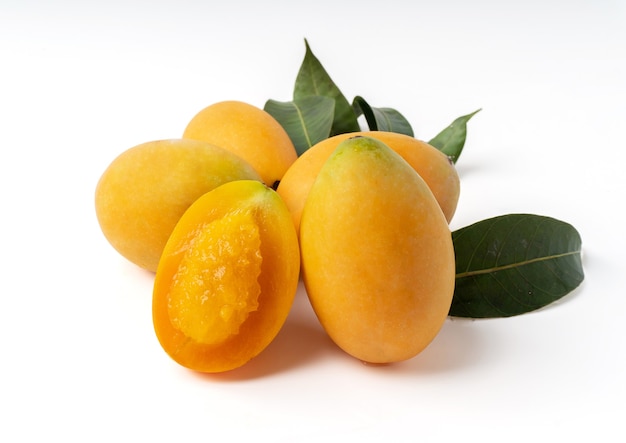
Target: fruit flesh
(432, 165)
(377, 255)
(216, 287)
(247, 131)
(242, 235)
(145, 190)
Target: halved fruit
(227, 278)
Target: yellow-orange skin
(249, 132)
(278, 278)
(431, 164)
(146, 189)
(377, 255)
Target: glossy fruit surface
(249, 132)
(145, 190)
(227, 278)
(432, 165)
(377, 255)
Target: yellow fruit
(377, 255)
(431, 164)
(249, 132)
(145, 190)
(227, 278)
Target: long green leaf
(307, 120)
(451, 140)
(312, 79)
(382, 119)
(513, 264)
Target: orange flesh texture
(377, 257)
(227, 278)
(216, 287)
(431, 164)
(249, 132)
(146, 189)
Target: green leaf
(382, 119)
(451, 140)
(307, 120)
(513, 264)
(312, 79)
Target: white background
(80, 82)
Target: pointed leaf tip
(451, 140)
(313, 80)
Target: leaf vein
(514, 265)
(304, 128)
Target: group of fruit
(229, 218)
